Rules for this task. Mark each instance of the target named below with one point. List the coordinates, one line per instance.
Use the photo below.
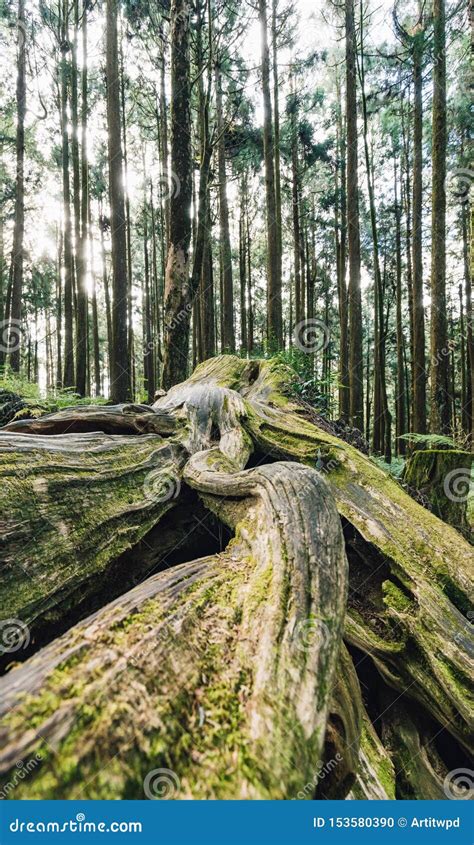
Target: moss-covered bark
(232, 682)
(219, 671)
(443, 478)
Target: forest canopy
(311, 163)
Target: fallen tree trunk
(410, 588)
(70, 506)
(226, 663)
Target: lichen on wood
(250, 689)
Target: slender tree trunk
(249, 283)
(68, 375)
(14, 338)
(469, 327)
(440, 415)
(356, 367)
(276, 108)
(59, 307)
(341, 230)
(164, 137)
(81, 248)
(178, 297)
(419, 370)
(406, 193)
(123, 116)
(227, 305)
(105, 282)
(95, 317)
(243, 268)
(274, 302)
(400, 396)
(120, 363)
(148, 362)
(295, 198)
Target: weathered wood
(110, 419)
(70, 505)
(219, 670)
(263, 617)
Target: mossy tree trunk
(443, 478)
(228, 673)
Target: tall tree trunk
(274, 303)
(164, 136)
(295, 198)
(243, 267)
(2, 263)
(120, 362)
(356, 367)
(81, 247)
(249, 283)
(341, 237)
(148, 358)
(406, 194)
(68, 375)
(14, 338)
(276, 108)
(440, 415)
(469, 324)
(419, 371)
(178, 298)
(123, 116)
(400, 427)
(95, 318)
(105, 283)
(227, 304)
(59, 307)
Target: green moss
(396, 599)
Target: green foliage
(48, 400)
(306, 385)
(395, 469)
(429, 441)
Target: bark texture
(229, 672)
